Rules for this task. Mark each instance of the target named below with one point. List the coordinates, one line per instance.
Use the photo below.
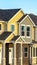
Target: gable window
(22, 30)
(12, 28)
(0, 26)
(26, 52)
(28, 31)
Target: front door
(9, 54)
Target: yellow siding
(0, 44)
(3, 26)
(9, 38)
(14, 22)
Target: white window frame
(26, 31)
(26, 52)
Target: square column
(21, 54)
(3, 55)
(14, 54)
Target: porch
(15, 54)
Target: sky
(28, 6)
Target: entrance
(9, 54)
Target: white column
(3, 55)
(30, 55)
(15, 54)
(21, 54)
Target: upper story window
(12, 28)
(22, 30)
(26, 52)
(0, 26)
(28, 31)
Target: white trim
(26, 52)
(29, 18)
(14, 15)
(23, 19)
(21, 53)
(19, 38)
(26, 31)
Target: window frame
(11, 27)
(26, 31)
(26, 52)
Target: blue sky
(29, 6)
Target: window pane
(36, 51)
(12, 27)
(28, 28)
(22, 33)
(22, 28)
(33, 52)
(28, 33)
(25, 54)
(25, 49)
(0, 26)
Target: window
(33, 52)
(12, 28)
(28, 31)
(22, 30)
(26, 52)
(0, 26)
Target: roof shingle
(7, 14)
(4, 35)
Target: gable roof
(7, 14)
(4, 35)
(21, 18)
(34, 18)
(33, 41)
(14, 38)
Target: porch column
(31, 55)
(14, 54)
(21, 54)
(3, 55)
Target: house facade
(18, 37)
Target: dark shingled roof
(4, 35)
(21, 18)
(14, 38)
(7, 14)
(34, 18)
(33, 41)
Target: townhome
(18, 37)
